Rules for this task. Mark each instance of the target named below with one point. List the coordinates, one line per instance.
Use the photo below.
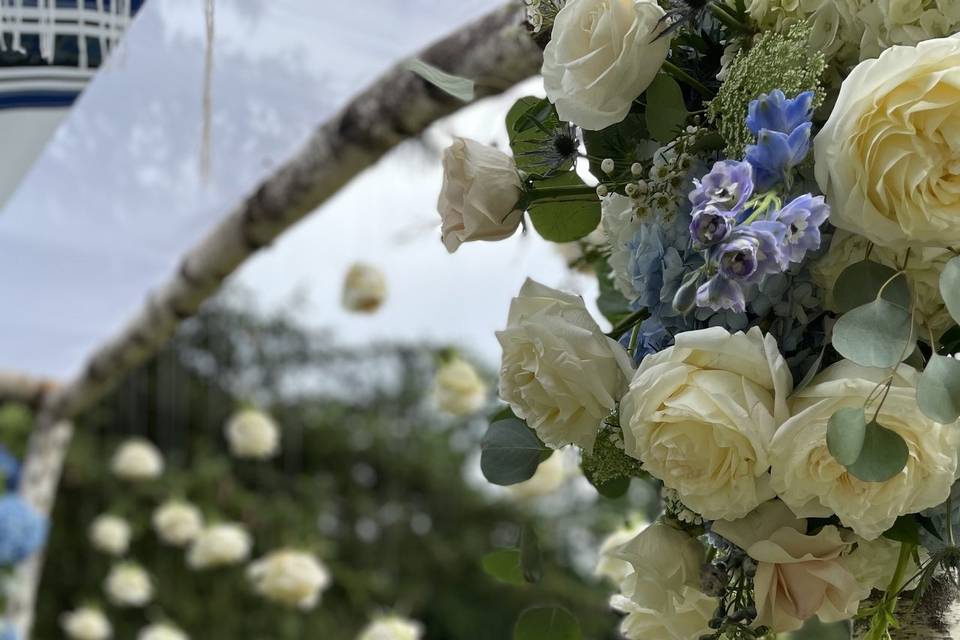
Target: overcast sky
(116, 198)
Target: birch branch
(495, 52)
(17, 387)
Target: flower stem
(627, 323)
(727, 19)
(683, 76)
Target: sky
(117, 197)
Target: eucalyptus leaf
(883, 456)
(462, 89)
(860, 283)
(877, 334)
(511, 452)
(950, 288)
(845, 434)
(547, 623)
(938, 390)
(531, 562)
(504, 565)
(565, 219)
(666, 111)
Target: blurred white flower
(293, 578)
(392, 628)
(458, 389)
(364, 288)
(110, 534)
(253, 434)
(220, 545)
(549, 476)
(162, 632)
(177, 522)
(137, 459)
(610, 564)
(129, 585)
(86, 623)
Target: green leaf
(565, 220)
(621, 141)
(877, 334)
(460, 88)
(547, 623)
(504, 565)
(950, 288)
(938, 391)
(860, 283)
(905, 529)
(530, 561)
(845, 433)
(511, 452)
(666, 111)
(884, 455)
(613, 489)
(534, 130)
(610, 302)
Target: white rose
(128, 585)
(162, 632)
(887, 159)
(814, 484)
(177, 523)
(798, 576)
(602, 55)
(137, 459)
(559, 371)
(458, 389)
(549, 476)
(110, 534)
(293, 578)
(700, 416)
(220, 545)
(252, 434)
(610, 565)
(666, 554)
(480, 191)
(655, 613)
(873, 562)
(620, 226)
(923, 269)
(392, 628)
(364, 288)
(86, 623)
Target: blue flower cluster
(782, 127)
(22, 530)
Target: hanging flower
(161, 631)
(86, 623)
(129, 585)
(364, 288)
(177, 522)
(252, 434)
(392, 627)
(110, 534)
(220, 545)
(458, 389)
(137, 459)
(289, 577)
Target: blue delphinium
(22, 529)
(727, 187)
(783, 128)
(802, 218)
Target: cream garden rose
(137, 459)
(458, 389)
(480, 191)
(552, 474)
(559, 371)
(364, 288)
(814, 484)
(177, 522)
(110, 534)
(609, 564)
(162, 631)
(700, 417)
(129, 585)
(798, 576)
(887, 159)
(603, 54)
(252, 434)
(86, 623)
(220, 545)
(392, 627)
(290, 577)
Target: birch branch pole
(495, 51)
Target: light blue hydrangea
(22, 529)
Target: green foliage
(511, 452)
(460, 88)
(776, 61)
(666, 111)
(938, 390)
(950, 288)
(904, 529)
(610, 302)
(542, 145)
(608, 468)
(877, 334)
(620, 141)
(846, 431)
(861, 283)
(565, 218)
(547, 623)
(531, 560)
(883, 456)
(504, 565)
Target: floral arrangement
(769, 195)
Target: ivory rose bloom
(887, 159)
(86, 623)
(923, 269)
(814, 484)
(252, 434)
(480, 191)
(458, 389)
(177, 522)
(220, 545)
(700, 416)
(603, 54)
(128, 585)
(110, 534)
(292, 578)
(392, 628)
(137, 459)
(798, 575)
(550, 475)
(162, 632)
(610, 565)
(559, 371)
(364, 288)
